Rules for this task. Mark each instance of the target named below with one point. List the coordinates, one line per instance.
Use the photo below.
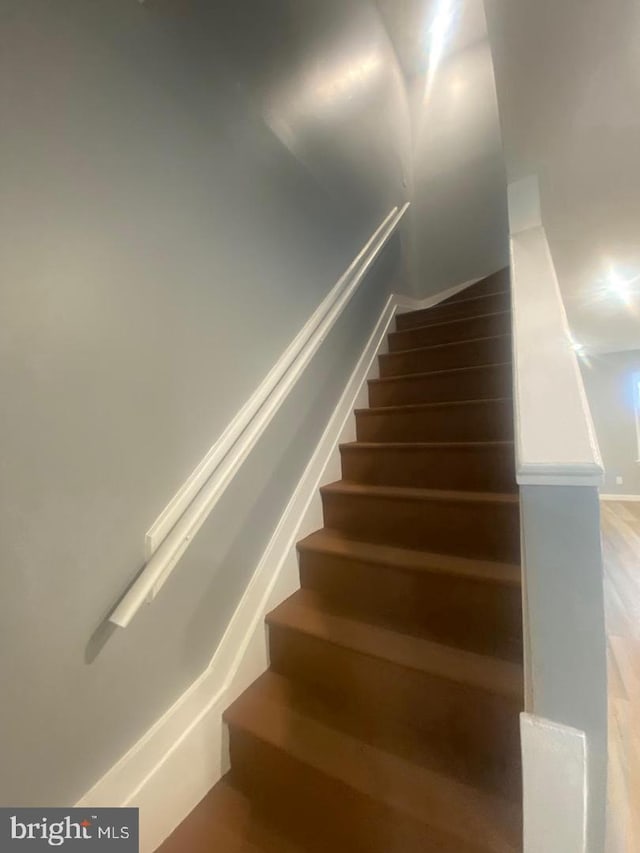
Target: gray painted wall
(565, 624)
(612, 392)
(182, 183)
(457, 226)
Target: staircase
(388, 720)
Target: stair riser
(475, 327)
(298, 796)
(496, 283)
(485, 530)
(484, 617)
(467, 354)
(454, 311)
(481, 421)
(471, 725)
(481, 384)
(483, 469)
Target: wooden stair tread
(345, 487)
(457, 320)
(306, 612)
(405, 377)
(407, 788)
(493, 280)
(337, 544)
(423, 445)
(447, 345)
(422, 407)
(226, 821)
(392, 736)
(389, 717)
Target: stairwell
(388, 719)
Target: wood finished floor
(621, 551)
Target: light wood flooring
(621, 551)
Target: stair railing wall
(564, 731)
(174, 530)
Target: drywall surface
(555, 439)
(611, 382)
(457, 225)
(569, 99)
(182, 185)
(565, 615)
(555, 788)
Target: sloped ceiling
(568, 81)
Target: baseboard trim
(179, 759)
(625, 498)
(554, 767)
(410, 303)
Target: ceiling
(408, 23)
(568, 81)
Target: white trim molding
(189, 741)
(172, 533)
(623, 498)
(410, 303)
(555, 786)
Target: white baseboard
(179, 759)
(620, 498)
(554, 768)
(410, 303)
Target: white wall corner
(524, 204)
(555, 786)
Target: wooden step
(472, 306)
(309, 614)
(485, 326)
(362, 796)
(390, 735)
(443, 356)
(473, 604)
(475, 466)
(486, 381)
(461, 706)
(466, 420)
(494, 283)
(226, 820)
(388, 721)
(467, 524)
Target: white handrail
(180, 502)
(213, 475)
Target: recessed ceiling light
(578, 348)
(620, 285)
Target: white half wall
(555, 786)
